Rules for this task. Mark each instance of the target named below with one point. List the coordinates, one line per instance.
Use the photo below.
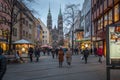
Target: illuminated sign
(114, 45)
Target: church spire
(49, 19)
(49, 7)
(60, 13)
(49, 12)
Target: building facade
(45, 34)
(4, 25)
(23, 25)
(104, 12)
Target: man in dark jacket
(86, 53)
(3, 64)
(30, 53)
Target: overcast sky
(42, 6)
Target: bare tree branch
(70, 14)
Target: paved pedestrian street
(48, 69)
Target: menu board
(114, 45)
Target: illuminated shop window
(110, 16)
(116, 13)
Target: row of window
(44, 36)
(44, 41)
(44, 31)
(25, 22)
(3, 21)
(25, 34)
(113, 15)
(4, 8)
(97, 5)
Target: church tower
(60, 26)
(49, 20)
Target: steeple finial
(49, 7)
(60, 13)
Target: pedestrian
(56, 52)
(17, 56)
(37, 53)
(85, 53)
(100, 53)
(21, 59)
(53, 53)
(30, 53)
(95, 51)
(60, 57)
(3, 64)
(69, 56)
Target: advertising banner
(114, 45)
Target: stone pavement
(47, 69)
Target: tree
(70, 15)
(13, 8)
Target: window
(26, 34)
(23, 33)
(23, 20)
(26, 23)
(110, 17)
(105, 20)
(30, 26)
(116, 13)
(14, 32)
(29, 36)
(0, 6)
(99, 24)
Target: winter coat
(61, 56)
(3, 66)
(68, 56)
(100, 51)
(86, 52)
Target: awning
(22, 41)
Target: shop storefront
(84, 43)
(22, 47)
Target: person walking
(69, 56)
(3, 64)
(86, 53)
(37, 53)
(21, 59)
(100, 53)
(60, 57)
(53, 53)
(30, 53)
(95, 51)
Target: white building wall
(45, 37)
